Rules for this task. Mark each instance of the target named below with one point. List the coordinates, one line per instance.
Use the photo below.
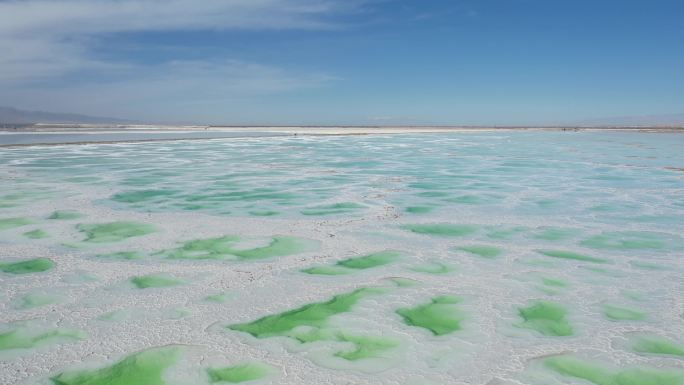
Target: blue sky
(479, 62)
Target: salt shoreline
(329, 130)
(82, 134)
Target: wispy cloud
(46, 40)
(75, 17)
(177, 91)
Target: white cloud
(76, 17)
(42, 41)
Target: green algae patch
(347, 266)
(616, 313)
(34, 300)
(326, 270)
(332, 209)
(633, 295)
(626, 240)
(313, 315)
(211, 248)
(226, 248)
(364, 347)
(36, 234)
(547, 290)
(114, 231)
(371, 260)
(141, 196)
(10, 223)
(65, 215)
(26, 338)
(37, 265)
(605, 272)
(556, 234)
(121, 255)
(264, 213)
(403, 282)
(551, 286)
(218, 298)
(177, 313)
(419, 209)
(433, 194)
(428, 186)
(433, 267)
(571, 255)
(279, 246)
(499, 233)
(554, 282)
(155, 280)
(83, 179)
(355, 347)
(441, 316)
(482, 250)
(441, 229)
(467, 199)
(573, 367)
(22, 197)
(656, 345)
(114, 316)
(143, 368)
(259, 194)
(239, 373)
(547, 318)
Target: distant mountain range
(9, 115)
(13, 116)
(645, 120)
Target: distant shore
(321, 130)
(51, 134)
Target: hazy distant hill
(646, 120)
(10, 115)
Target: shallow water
(494, 258)
(25, 138)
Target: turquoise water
(554, 242)
(530, 174)
(25, 138)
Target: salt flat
(470, 257)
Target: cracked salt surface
(465, 258)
